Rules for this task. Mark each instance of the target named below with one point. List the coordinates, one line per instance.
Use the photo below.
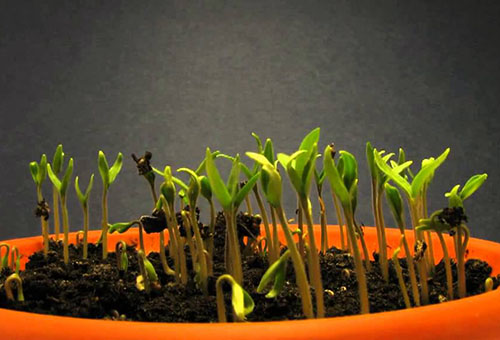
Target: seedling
(15, 260)
(241, 301)
(277, 273)
(345, 187)
(108, 176)
(121, 256)
(272, 187)
(145, 169)
(4, 259)
(148, 279)
(57, 165)
(62, 187)
(39, 174)
(84, 201)
(14, 279)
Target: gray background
(174, 77)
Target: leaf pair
(108, 174)
(277, 273)
(229, 194)
(456, 198)
(61, 185)
(39, 170)
(84, 197)
(270, 178)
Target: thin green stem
(234, 249)
(55, 210)
(298, 264)
(65, 229)
(210, 243)
(249, 205)
(401, 280)
(104, 224)
(447, 266)
(176, 241)
(202, 260)
(163, 258)
(340, 222)
(43, 224)
(421, 264)
(461, 263)
(383, 246)
(324, 232)
(275, 240)
(300, 222)
(411, 271)
(85, 230)
(316, 271)
(273, 256)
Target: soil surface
(94, 288)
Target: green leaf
(218, 188)
(42, 171)
(271, 184)
(57, 160)
(119, 227)
(307, 144)
(103, 168)
(194, 186)
(371, 162)
(167, 189)
(66, 179)
(472, 185)
(423, 176)
(294, 178)
(34, 168)
(83, 198)
(53, 178)
(309, 169)
(116, 168)
(393, 175)
(150, 270)
(233, 180)
(350, 170)
(395, 203)
(206, 190)
(259, 158)
(277, 273)
(269, 150)
(242, 302)
(249, 173)
(336, 182)
(243, 192)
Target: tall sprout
(300, 169)
(62, 188)
(272, 188)
(57, 165)
(84, 201)
(39, 174)
(414, 192)
(230, 197)
(108, 176)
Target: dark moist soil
(94, 288)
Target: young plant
(108, 176)
(84, 201)
(57, 165)
(4, 259)
(230, 196)
(62, 188)
(241, 301)
(395, 202)
(146, 170)
(300, 167)
(414, 192)
(15, 260)
(148, 279)
(39, 174)
(344, 241)
(272, 187)
(121, 256)
(345, 187)
(276, 273)
(14, 279)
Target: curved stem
(14, 278)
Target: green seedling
(108, 176)
(57, 166)
(241, 301)
(276, 273)
(345, 188)
(146, 170)
(414, 193)
(14, 279)
(84, 201)
(319, 179)
(4, 259)
(15, 260)
(300, 168)
(399, 273)
(148, 279)
(122, 227)
(230, 197)
(435, 223)
(395, 202)
(344, 242)
(39, 174)
(272, 188)
(457, 219)
(62, 188)
(121, 256)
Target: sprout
(57, 165)
(399, 273)
(4, 260)
(148, 279)
(241, 301)
(15, 260)
(121, 256)
(108, 176)
(62, 187)
(230, 196)
(39, 174)
(276, 272)
(345, 187)
(488, 285)
(145, 169)
(84, 201)
(272, 187)
(300, 167)
(14, 279)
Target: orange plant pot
(475, 317)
